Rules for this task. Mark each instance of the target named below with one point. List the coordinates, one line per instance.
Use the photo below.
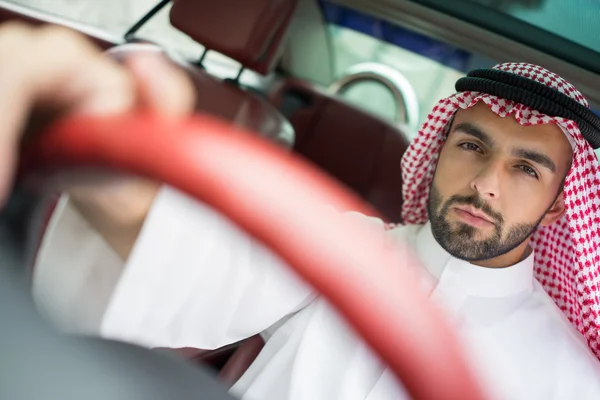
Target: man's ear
(555, 212)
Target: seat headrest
(249, 31)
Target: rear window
(115, 17)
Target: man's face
(495, 182)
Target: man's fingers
(14, 37)
(82, 80)
(60, 71)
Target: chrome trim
(393, 80)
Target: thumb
(162, 86)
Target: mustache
(476, 202)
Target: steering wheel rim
(195, 155)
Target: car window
(428, 80)
(423, 69)
(431, 67)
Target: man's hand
(53, 71)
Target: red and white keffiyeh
(567, 253)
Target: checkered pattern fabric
(567, 253)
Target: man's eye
(528, 170)
(470, 146)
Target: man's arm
(193, 278)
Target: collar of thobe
(472, 279)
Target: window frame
(517, 30)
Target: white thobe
(194, 279)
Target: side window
(420, 81)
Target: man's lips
(473, 215)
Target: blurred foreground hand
(51, 72)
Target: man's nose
(487, 182)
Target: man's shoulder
(554, 338)
(541, 355)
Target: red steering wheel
(279, 199)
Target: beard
(461, 240)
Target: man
(506, 189)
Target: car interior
(342, 83)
